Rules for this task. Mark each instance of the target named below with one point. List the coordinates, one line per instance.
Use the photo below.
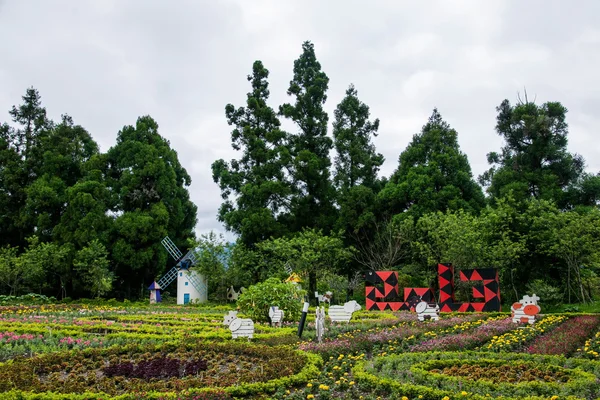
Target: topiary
(255, 301)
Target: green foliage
(92, 266)
(357, 162)
(433, 175)
(308, 252)
(534, 163)
(388, 243)
(211, 258)
(257, 180)
(256, 300)
(311, 204)
(548, 294)
(152, 202)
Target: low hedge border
(310, 370)
(583, 382)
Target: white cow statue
(232, 295)
(343, 313)
(427, 310)
(526, 310)
(276, 315)
(324, 298)
(239, 327)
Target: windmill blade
(171, 248)
(197, 283)
(168, 278)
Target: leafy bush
(31, 298)
(548, 294)
(256, 300)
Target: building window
(186, 283)
(181, 274)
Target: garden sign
(381, 290)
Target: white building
(191, 286)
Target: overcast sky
(106, 62)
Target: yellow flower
(446, 398)
(351, 383)
(310, 396)
(309, 385)
(464, 393)
(323, 387)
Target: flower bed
(518, 338)
(468, 339)
(591, 348)
(435, 375)
(388, 339)
(236, 367)
(565, 338)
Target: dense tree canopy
(433, 175)
(534, 163)
(76, 221)
(151, 202)
(73, 217)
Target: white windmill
(191, 286)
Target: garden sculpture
(190, 284)
(427, 311)
(324, 298)
(232, 295)
(276, 315)
(526, 310)
(320, 323)
(343, 313)
(239, 327)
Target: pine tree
(312, 201)
(258, 179)
(433, 175)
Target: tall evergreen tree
(64, 149)
(12, 190)
(152, 201)
(258, 179)
(433, 175)
(312, 202)
(356, 167)
(22, 159)
(357, 162)
(534, 163)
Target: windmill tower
(190, 284)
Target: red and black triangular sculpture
(381, 290)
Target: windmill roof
(154, 286)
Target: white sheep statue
(239, 327)
(343, 313)
(276, 315)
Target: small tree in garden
(256, 300)
(576, 241)
(211, 256)
(93, 266)
(309, 252)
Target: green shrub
(256, 300)
(548, 294)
